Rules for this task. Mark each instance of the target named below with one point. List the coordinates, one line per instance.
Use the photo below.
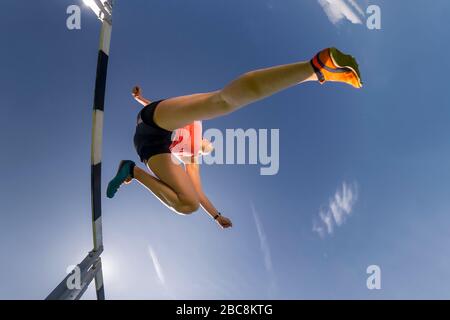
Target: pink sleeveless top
(187, 141)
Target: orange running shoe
(333, 65)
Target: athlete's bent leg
(172, 185)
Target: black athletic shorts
(149, 138)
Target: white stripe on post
(97, 137)
(105, 37)
(98, 233)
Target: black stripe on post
(101, 293)
(96, 179)
(100, 81)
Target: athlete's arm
(137, 95)
(193, 171)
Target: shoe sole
(343, 60)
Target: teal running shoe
(125, 172)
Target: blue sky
(387, 144)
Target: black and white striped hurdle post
(96, 150)
(91, 266)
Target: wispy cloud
(157, 265)
(265, 249)
(337, 211)
(262, 240)
(356, 6)
(339, 10)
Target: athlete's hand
(207, 147)
(224, 222)
(136, 92)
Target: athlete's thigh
(173, 175)
(178, 112)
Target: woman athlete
(158, 132)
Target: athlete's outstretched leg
(328, 65)
(252, 86)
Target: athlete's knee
(240, 92)
(224, 102)
(188, 206)
(252, 84)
